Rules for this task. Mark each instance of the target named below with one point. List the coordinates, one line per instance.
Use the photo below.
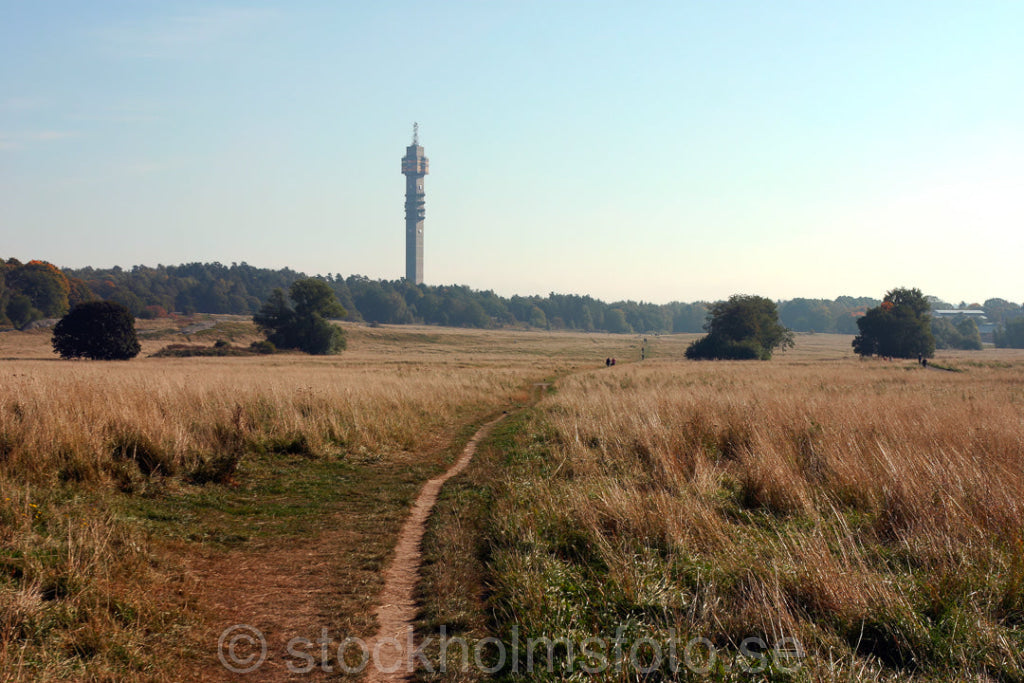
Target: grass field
(868, 511)
(865, 514)
(146, 504)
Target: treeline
(825, 315)
(37, 290)
(190, 288)
(242, 289)
(1011, 335)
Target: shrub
(215, 469)
(263, 347)
(153, 312)
(219, 349)
(712, 346)
(130, 444)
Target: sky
(648, 150)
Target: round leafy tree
(100, 330)
(899, 328)
(743, 328)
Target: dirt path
(388, 649)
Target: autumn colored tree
(44, 284)
(78, 292)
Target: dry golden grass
(128, 488)
(872, 510)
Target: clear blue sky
(658, 151)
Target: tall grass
(873, 512)
(82, 421)
(93, 456)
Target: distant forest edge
(38, 290)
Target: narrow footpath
(390, 656)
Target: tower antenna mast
(414, 167)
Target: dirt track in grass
(390, 657)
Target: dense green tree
(277, 320)
(129, 300)
(100, 330)
(494, 307)
(945, 333)
(305, 323)
(899, 328)
(378, 302)
(537, 318)
(467, 312)
(970, 336)
(20, 311)
(744, 327)
(1011, 334)
(961, 334)
(615, 321)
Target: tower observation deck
(414, 167)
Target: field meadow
(814, 517)
(146, 505)
(866, 514)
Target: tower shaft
(414, 166)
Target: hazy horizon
(663, 152)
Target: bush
(215, 469)
(153, 312)
(711, 347)
(263, 347)
(130, 444)
(100, 330)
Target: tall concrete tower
(414, 167)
